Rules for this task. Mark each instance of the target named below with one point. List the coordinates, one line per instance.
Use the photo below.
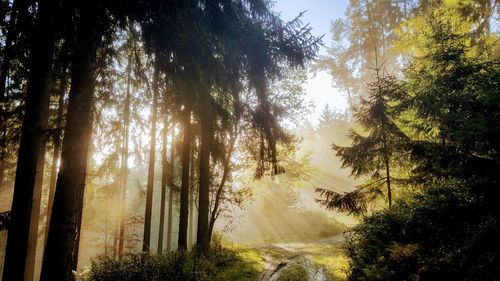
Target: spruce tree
(375, 154)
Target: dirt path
(280, 257)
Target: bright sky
(319, 14)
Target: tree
(369, 30)
(61, 250)
(125, 145)
(450, 107)
(29, 173)
(171, 187)
(185, 162)
(378, 153)
(152, 157)
(164, 172)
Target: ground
(314, 261)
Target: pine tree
(375, 155)
(29, 174)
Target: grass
(246, 267)
(294, 272)
(322, 255)
(228, 263)
(333, 259)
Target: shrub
(173, 266)
(442, 234)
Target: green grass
(228, 263)
(246, 267)
(294, 272)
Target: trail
(280, 257)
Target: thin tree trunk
(191, 200)
(29, 271)
(202, 241)
(29, 173)
(152, 155)
(387, 169)
(124, 166)
(61, 250)
(57, 149)
(170, 181)
(184, 208)
(218, 196)
(164, 182)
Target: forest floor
(321, 260)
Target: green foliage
(221, 264)
(376, 155)
(294, 272)
(352, 202)
(445, 233)
(447, 228)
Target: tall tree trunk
(152, 155)
(29, 271)
(124, 156)
(202, 241)
(191, 198)
(220, 189)
(56, 138)
(61, 250)
(171, 187)
(184, 208)
(164, 182)
(29, 171)
(387, 170)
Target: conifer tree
(376, 154)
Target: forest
(158, 140)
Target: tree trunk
(29, 171)
(387, 170)
(202, 241)
(61, 250)
(170, 181)
(152, 155)
(124, 156)
(191, 199)
(164, 182)
(57, 149)
(218, 195)
(184, 208)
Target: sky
(319, 14)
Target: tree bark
(164, 182)
(151, 169)
(387, 170)
(61, 250)
(124, 156)
(220, 189)
(191, 199)
(170, 181)
(202, 241)
(184, 207)
(56, 138)
(31, 153)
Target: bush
(442, 234)
(219, 265)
